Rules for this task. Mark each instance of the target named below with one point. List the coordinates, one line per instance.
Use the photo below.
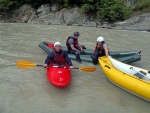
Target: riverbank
(50, 15)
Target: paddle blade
(88, 69)
(25, 64)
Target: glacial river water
(28, 90)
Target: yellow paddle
(87, 69)
(27, 64)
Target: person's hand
(71, 67)
(45, 65)
(79, 51)
(93, 52)
(83, 51)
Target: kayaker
(101, 49)
(73, 46)
(58, 57)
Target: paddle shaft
(38, 65)
(57, 67)
(75, 68)
(83, 69)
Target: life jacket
(100, 49)
(58, 59)
(75, 43)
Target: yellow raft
(130, 83)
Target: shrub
(9, 4)
(142, 4)
(112, 10)
(88, 8)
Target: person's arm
(48, 59)
(106, 49)
(94, 50)
(68, 59)
(80, 46)
(73, 48)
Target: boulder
(57, 18)
(54, 7)
(23, 13)
(43, 10)
(35, 19)
(49, 15)
(106, 25)
(90, 24)
(53, 18)
(74, 16)
(141, 23)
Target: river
(28, 90)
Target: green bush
(142, 4)
(9, 4)
(88, 8)
(112, 10)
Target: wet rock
(90, 24)
(34, 20)
(33, 17)
(74, 16)
(43, 10)
(57, 18)
(105, 25)
(98, 22)
(47, 15)
(54, 7)
(23, 13)
(141, 23)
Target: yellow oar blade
(88, 69)
(25, 64)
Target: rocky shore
(50, 15)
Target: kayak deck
(59, 77)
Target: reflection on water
(28, 91)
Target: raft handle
(107, 66)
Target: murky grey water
(28, 91)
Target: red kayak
(59, 77)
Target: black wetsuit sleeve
(49, 58)
(68, 59)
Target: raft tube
(130, 83)
(123, 56)
(131, 70)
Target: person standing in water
(100, 50)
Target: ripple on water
(14, 54)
